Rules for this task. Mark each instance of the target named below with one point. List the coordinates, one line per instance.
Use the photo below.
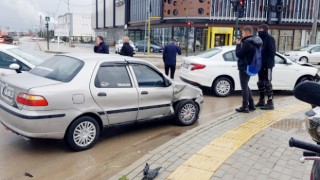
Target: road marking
(204, 163)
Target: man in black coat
(100, 46)
(265, 75)
(245, 51)
(126, 49)
(170, 58)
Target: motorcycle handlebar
(304, 145)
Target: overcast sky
(24, 14)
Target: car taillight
(31, 100)
(197, 66)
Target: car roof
(103, 57)
(7, 46)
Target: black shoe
(268, 106)
(261, 103)
(252, 108)
(243, 109)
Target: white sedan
(13, 55)
(307, 54)
(217, 69)
(119, 45)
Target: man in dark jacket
(170, 58)
(245, 51)
(265, 75)
(100, 46)
(126, 49)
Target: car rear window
(59, 68)
(209, 53)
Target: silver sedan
(74, 96)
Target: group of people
(245, 51)
(102, 47)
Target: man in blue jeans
(245, 50)
(170, 58)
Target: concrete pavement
(235, 146)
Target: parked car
(1, 39)
(10, 55)
(6, 39)
(307, 54)
(37, 38)
(217, 69)
(56, 41)
(141, 45)
(73, 96)
(119, 45)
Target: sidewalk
(154, 58)
(235, 146)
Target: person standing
(170, 58)
(101, 46)
(265, 74)
(245, 51)
(126, 49)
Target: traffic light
(241, 8)
(189, 24)
(47, 25)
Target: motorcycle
(309, 92)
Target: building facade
(213, 21)
(78, 25)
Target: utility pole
(145, 25)
(69, 23)
(313, 35)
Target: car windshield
(209, 53)
(59, 68)
(26, 56)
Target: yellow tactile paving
(206, 161)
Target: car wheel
(83, 133)
(222, 87)
(186, 112)
(304, 59)
(151, 49)
(303, 79)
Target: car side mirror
(15, 67)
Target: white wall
(100, 14)
(93, 15)
(81, 25)
(109, 13)
(120, 14)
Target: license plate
(8, 92)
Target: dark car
(8, 39)
(140, 46)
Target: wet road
(117, 148)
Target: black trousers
(246, 92)
(172, 69)
(264, 83)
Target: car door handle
(144, 92)
(102, 94)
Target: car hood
(305, 64)
(185, 91)
(27, 81)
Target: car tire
(186, 112)
(88, 127)
(151, 49)
(304, 59)
(303, 79)
(222, 87)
